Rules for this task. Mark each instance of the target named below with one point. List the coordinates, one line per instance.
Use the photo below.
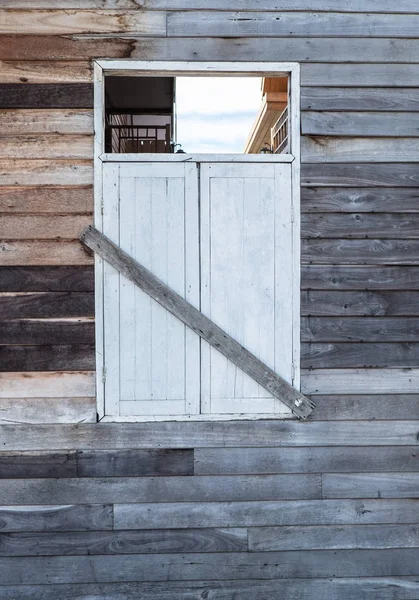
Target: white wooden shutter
(246, 279)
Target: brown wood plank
(199, 323)
(46, 331)
(385, 226)
(363, 124)
(79, 357)
(49, 95)
(46, 146)
(47, 410)
(338, 277)
(356, 175)
(390, 407)
(352, 98)
(361, 304)
(46, 279)
(46, 305)
(22, 172)
(359, 329)
(82, 517)
(54, 72)
(355, 200)
(41, 121)
(44, 253)
(352, 356)
(375, 252)
(37, 227)
(52, 199)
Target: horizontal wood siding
(254, 510)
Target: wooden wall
(315, 510)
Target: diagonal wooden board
(198, 322)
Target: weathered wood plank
(198, 322)
(332, 538)
(353, 252)
(53, 199)
(160, 489)
(23, 172)
(46, 71)
(44, 253)
(360, 75)
(371, 485)
(46, 410)
(46, 279)
(375, 124)
(351, 200)
(70, 357)
(289, 24)
(46, 305)
(241, 461)
(46, 331)
(126, 542)
(37, 464)
(355, 225)
(253, 514)
(371, 150)
(47, 385)
(46, 146)
(84, 21)
(50, 95)
(368, 99)
(358, 381)
(38, 227)
(41, 121)
(399, 175)
(353, 356)
(375, 304)
(360, 277)
(359, 329)
(220, 566)
(302, 49)
(215, 434)
(83, 517)
(369, 407)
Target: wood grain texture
(358, 381)
(54, 72)
(70, 357)
(355, 200)
(216, 434)
(369, 150)
(38, 227)
(356, 175)
(126, 542)
(356, 99)
(46, 279)
(40, 200)
(83, 21)
(46, 146)
(363, 124)
(367, 406)
(373, 252)
(352, 356)
(365, 304)
(356, 277)
(360, 75)
(159, 489)
(46, 331)
(289, 24)
(22, 172)
(50, 95)
(83, 517)
(219, 566)
(243, 461)
(371, 485)
(44, 253)
(42, 121)
(359, 329)
(385, 226)
(46, 305)
(47, 385)
(46, 410)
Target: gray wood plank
(197, 321)
(352, 356)
(360, 75)
(70, 517)
(359, 329)
(48, 410)
(352, 252)
(343, 537)
(358, 225)
(38, 464)
(78, 357)
(359, 200)
(123, 542)
(47, 95)
(356, 99)
(47, 305)
(289, 24)
(46, 279)
(368, 406)
(19, 331)
(359, 277)
(371, 485)
(241, 461)
(373, 588)
(377, 124)
(359, 380)
(218, 566)
(274, 433)
(356, 175)
(262, 514)
(325, 303)
(160, 489)
(328, 149)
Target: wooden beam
(198, 322)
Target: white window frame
(104, 68)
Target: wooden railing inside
(279, 134)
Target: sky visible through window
(215, 114)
